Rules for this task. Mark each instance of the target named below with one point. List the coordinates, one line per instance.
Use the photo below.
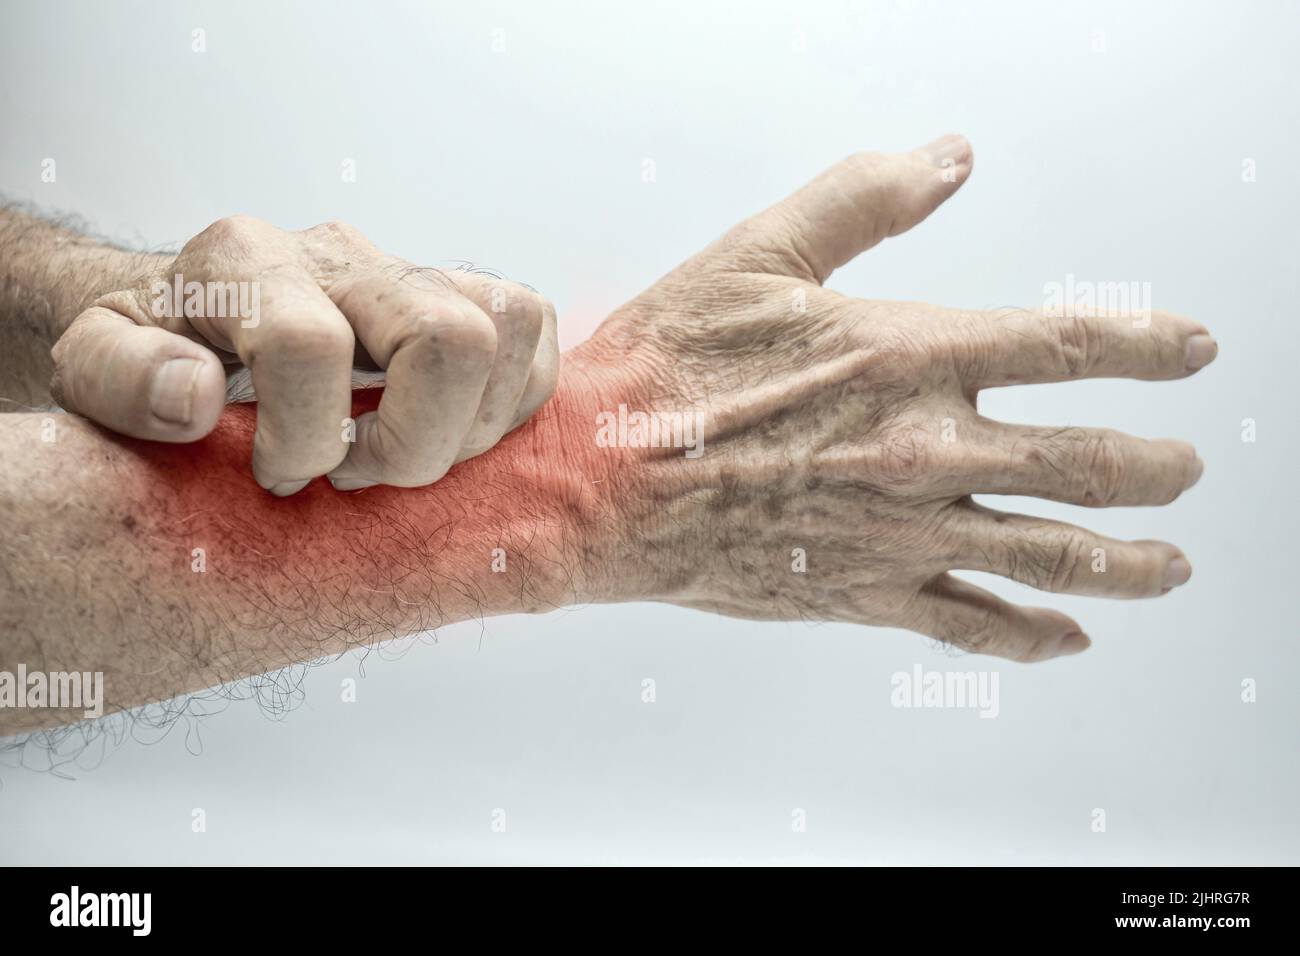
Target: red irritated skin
(181, 573)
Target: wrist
(562, 492)
(622, 495)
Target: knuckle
(525, 313)
(887, 178)
(978, 631)
(900, 459)
(1086, 465)
(1047, 558)
(539, 308)
(336, 235)
(1079, 345)
(469, 333)
(1104, 469)
(973, 344)
(459, 332)
(78, 344)
(302, 336)
(231, 230)
(336, 228)
(1065, 555)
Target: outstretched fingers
(975, 620)
(848, 209)
(1017, 346)
(1062, 558)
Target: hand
(849, 429)
(468, 356)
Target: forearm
(168, 569)
(48, 275)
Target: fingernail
(1076, 642)
(947, 150)
(171, 395)
(1176, 573)
(351, 484)
(286, 488)
(1201, 350)
(1198, 469)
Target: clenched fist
(467, 356)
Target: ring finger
(1058, 557)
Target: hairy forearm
(168, 569)
(48, 274)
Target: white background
(1114, 165)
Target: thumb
(140, 381)
(854, 205)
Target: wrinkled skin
(468, 356)
(849, 429)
